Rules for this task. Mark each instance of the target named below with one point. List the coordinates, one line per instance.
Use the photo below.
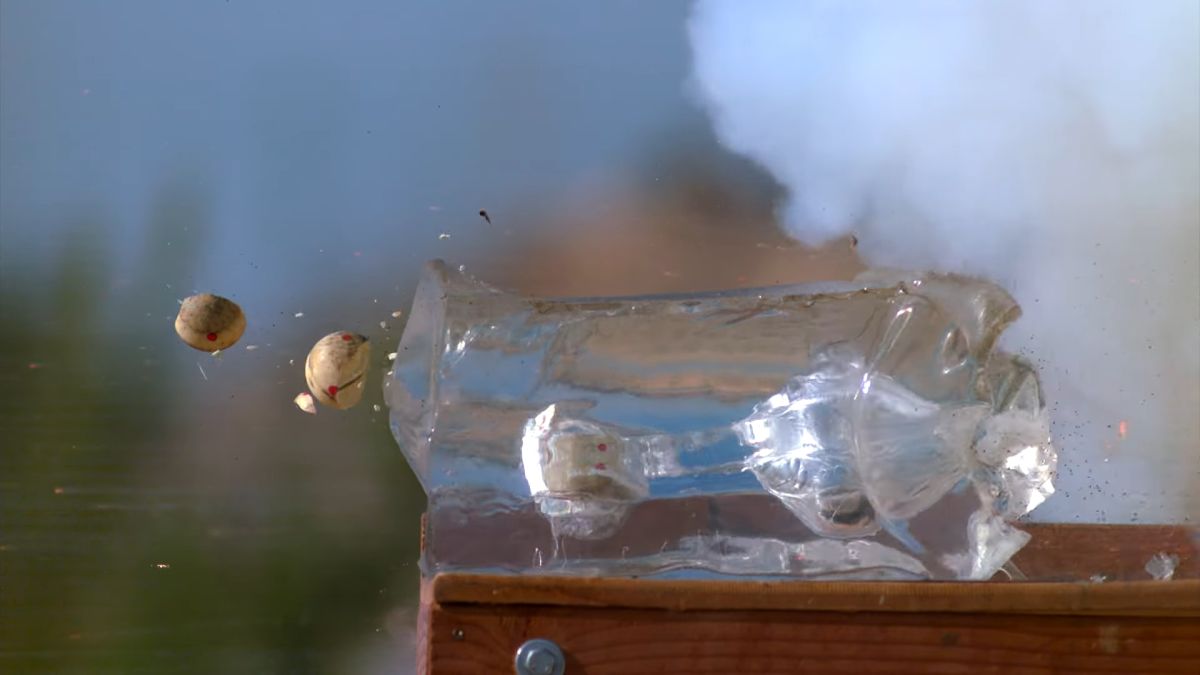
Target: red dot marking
(347, 337)
(333, 390)
(212, 337)
(602, 447)
(601, 467)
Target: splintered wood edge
(1132, 598)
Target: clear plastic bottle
(865, 429)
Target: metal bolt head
(540, 657)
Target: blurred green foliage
(124, 546)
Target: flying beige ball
(336, 369)
(209, 322)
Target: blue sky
(304, 125)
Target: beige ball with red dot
(589, 464)
(209, 322)
(336, 369)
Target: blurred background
(163, 510)
(167, 511)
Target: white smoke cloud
(1053, 146)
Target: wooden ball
(209, 322)
(336, 369)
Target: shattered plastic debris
(1162, 566)
(298, 314)
(304, 401)
(397, 314)
(444, 235)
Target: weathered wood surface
(481, 639)
(1130, 598)
(1060, 552)
(474, 623)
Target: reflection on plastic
(876, 412)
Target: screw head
(540, 657)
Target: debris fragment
(304, 401)
(298, 314)
(484, 214)
(444, 235)
(1162, 566)
(397, 314)
(383, 325)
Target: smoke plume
(1052, 146)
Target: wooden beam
(1137, 598)
(467, 639)
(473, 623)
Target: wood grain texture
(481, 639)
(1062, 552)
(1139, 598)
(473, 624)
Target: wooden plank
(1141, 598)
(474, 623)
(469, 639)
(1073, 552)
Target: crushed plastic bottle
(844, 429)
